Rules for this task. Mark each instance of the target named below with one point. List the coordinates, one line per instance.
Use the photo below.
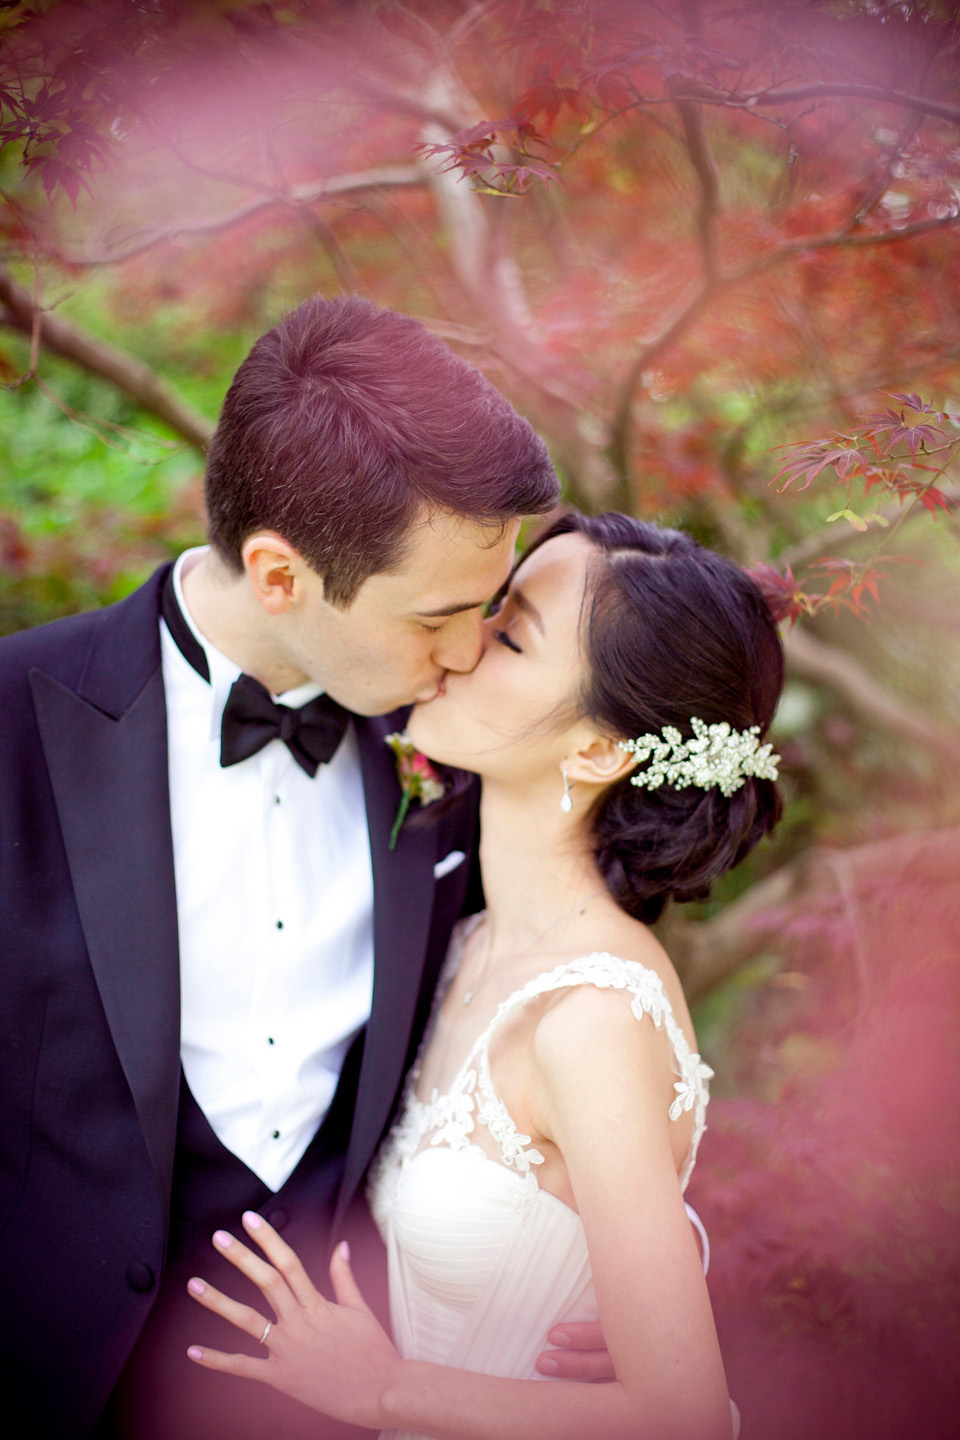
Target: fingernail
(194, 1352)
(221, 1238)
(559, 1337)
(547, 1367)
(344, 1250)
(252, 1220)
(196, 1287)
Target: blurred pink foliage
(833, 1197)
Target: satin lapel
(403, 887)
(109, 776)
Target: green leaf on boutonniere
(418, 779)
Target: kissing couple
(239, 995)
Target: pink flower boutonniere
(418, 779)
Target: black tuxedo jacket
(89, 995)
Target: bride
(537, 1169)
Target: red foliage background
(697, 244)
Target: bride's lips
(440, 690)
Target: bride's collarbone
(483, 984)
(473, 1002)
(458, 1027)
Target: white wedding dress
(482, 1262)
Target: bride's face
(513, 715)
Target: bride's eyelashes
(497, 607)
(504, 639)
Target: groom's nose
(461, 641)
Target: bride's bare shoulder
(616, 934)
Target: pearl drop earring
(566, 803)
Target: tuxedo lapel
(105, 745)
(403, 887)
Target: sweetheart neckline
(513, 1175)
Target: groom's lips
(440, 690)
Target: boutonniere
(418, 779)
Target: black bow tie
(251, 719)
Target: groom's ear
(273, 567)
(599, 762)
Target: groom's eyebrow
(447, 610)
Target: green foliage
(90, 501)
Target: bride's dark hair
(672, 630)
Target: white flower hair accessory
(717, 755)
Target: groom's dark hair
(344, 424)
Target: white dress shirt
(275, 914)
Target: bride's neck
(536, 863)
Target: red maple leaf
(784, 598)
(811, 457)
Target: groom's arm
(581, 1353)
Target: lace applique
(688, 1090)
(515, 1148)
(472, 1097)
(450, 1116)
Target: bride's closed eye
(504, 639)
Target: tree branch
(125, 372)
(697, 148)
(708, 952)
(828, 89)
(297, 196)
(824, 542)
(824, 664)
(419, 104)
(838, 239)
(879, 188)
(822, 90)
(702, 162)
(618, 447)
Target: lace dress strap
(450, 1118)
(604, 971)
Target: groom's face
(407, 627)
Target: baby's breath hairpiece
(717, 755)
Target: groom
(215, 968)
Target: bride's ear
(599, 762)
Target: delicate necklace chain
(492, 969)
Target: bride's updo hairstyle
(670, 631)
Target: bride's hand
(336, 1358)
